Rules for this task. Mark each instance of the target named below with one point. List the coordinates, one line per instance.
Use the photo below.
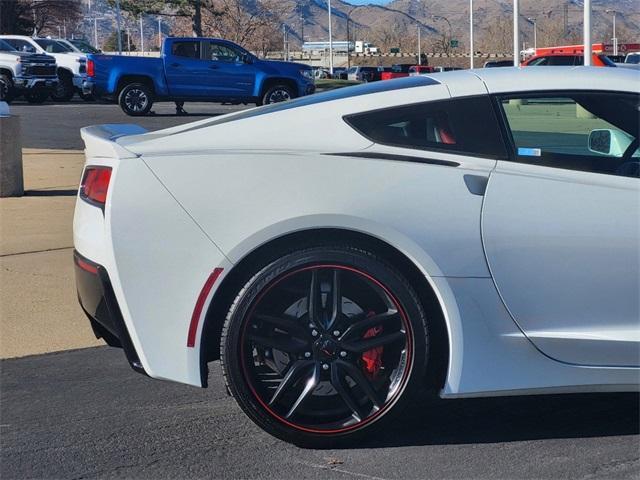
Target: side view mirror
(609, 142)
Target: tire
(6, 88)
(136, 99)
(334, 384)
(37, 96)
(87, 97)
(276, 94)
(64, 91)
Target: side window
(539, 62)
(187, 49)
(224, 53)
(21, 45)
(562, 60)
(465, 125)
(591, 132)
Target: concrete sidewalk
(39, 310)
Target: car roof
(527, 79)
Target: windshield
(5, 47)
(635, 58)
(51, 46)
(84, 47)
(607, 61)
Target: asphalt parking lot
(57, 125)
(86, 414)
(83, 413)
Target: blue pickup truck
(196, 69)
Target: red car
(568, 56)
(397, 71)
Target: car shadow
(159, 115)
(509, 419)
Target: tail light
(91, 68)
(94, 186)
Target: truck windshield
(51, 46)
(84, 47)
(5, 47)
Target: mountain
(395, 22)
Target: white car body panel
(585, 230)
(187, 200)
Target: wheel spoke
(311, 384)
(360, 326)
(357, 376)
(281, 343)
(367, 344)
(315, 299)
(337, 380)
(336, 298)
(285, 323)
(296, 370)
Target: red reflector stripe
(197, 311)
(86, 266)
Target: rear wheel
(324, 345)
(136, 99)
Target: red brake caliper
(372, 359)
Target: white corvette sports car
(476, 233)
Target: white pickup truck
(29, 74)
(72, 66)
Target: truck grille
(40, 70)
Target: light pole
(349, 38)
(471, 32)
(516, 33)
(129, 40)
(141, 35)
(330, 40)
(587, 33)
(118, 25)
(95, 32)
(419, 45)
(535, 32)
(615, 38)
(159, 34)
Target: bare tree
(35, 16)
(497, 36)
(239, 22)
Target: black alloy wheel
(324, 343)
(136, 99)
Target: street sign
(454, 43)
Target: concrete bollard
(11, 177)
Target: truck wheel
(276, 94)
(6, 88)
(136, 99)
(37, 96)
(64, 91)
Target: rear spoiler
(101, 140)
